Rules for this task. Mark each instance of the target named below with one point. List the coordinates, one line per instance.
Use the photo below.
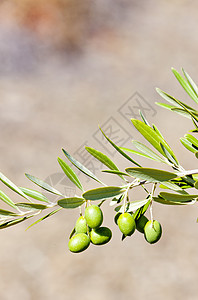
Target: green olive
(79, 242)
(152, 231)
(93, 216)
(126, 224)
(140, 223)
(81, 225)
(100, 236)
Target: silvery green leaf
(7, 200)
(152, 137)
(177, 198)
(104, 193)
(12, 186)
(188, 145)
(147, 151)
(132, 206)
(31, 206)
(43, 184)
(72, 202)
(187, 87)
(104, 159)
(168, 202)
(191, 82)
(79, 166)
(172, 186)
(13, 222)
(45, 217)
(119, 149)
(115, 172)
(151, 175)
(34, 194)
(70, 173)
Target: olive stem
(151, 203)
(126, 198)
(151, 212)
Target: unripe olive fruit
(140, 223)
(93, 216)
(152, 231)
(100, 236)
(126, 224)
(81, 225)
(79, 242)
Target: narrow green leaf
(143, 118)
(187, 145)
(13, 222)
(166, 202)
(157, 131)
(117, 199)
(115, 172)
(7, 200)
(172, 186)
(170, 158)
(132, 206)
(189, 113)
(147, 151)
(79, 166)
(168, 97)
(103, 159)
(70, 173)
(135, 152)
(141, 211)
(34, 194)
(72, 202)
(164, 105)
(192, 140)
(151, 175)
(119, 149)
(182, 112)
(103, 193)
(190, 82)
(12, 186)
(43, 184)
(187, 108)
(178, 110)
(31, 206)
(173, 100)
(185, 85)
(152, 137)
(183, 182)
(4, 212)
(45, 217)
(177, 198)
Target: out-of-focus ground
(65, 67)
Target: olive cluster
(152, 229)
(88, 229)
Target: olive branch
(177, 182)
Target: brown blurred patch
(61, 23)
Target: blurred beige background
(65, 67)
